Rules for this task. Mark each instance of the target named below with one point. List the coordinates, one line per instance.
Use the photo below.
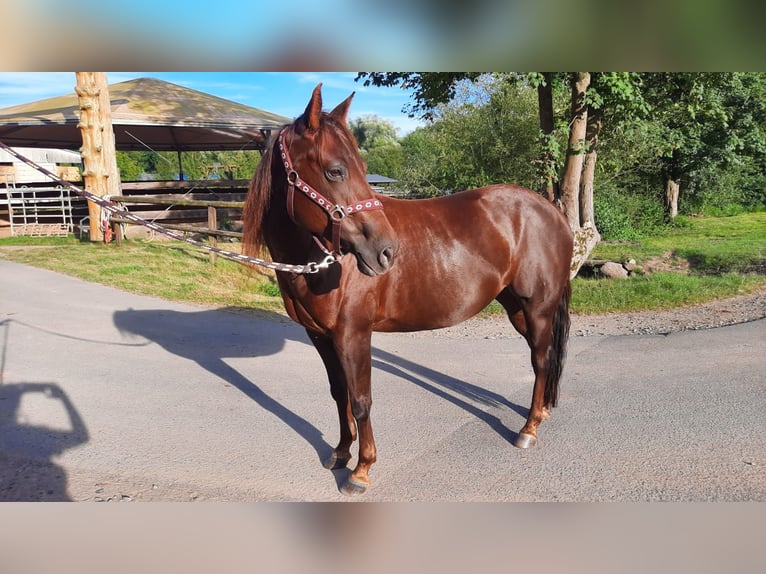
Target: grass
(711, 245)
(169, 270)
(657, 291)
(725, 257)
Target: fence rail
(183, 208)
(169, 199)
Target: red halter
(336, 212)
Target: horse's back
(498, 198)
(495, 217)
(458, 252)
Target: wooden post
(100, 173)
(212, 223)
(117, 232)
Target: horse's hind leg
(539, 339)
(341, 454)
(536, 325)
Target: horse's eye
(336, 173)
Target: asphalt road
(111, 396)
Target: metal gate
(38, 211)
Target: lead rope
(111, 209)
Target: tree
(570, 182)
(128, 165)
(431, 89)
(549, 157)
(378, 144)
(196, 164)
(614, 98)
(486, 134)
(704, 121)
(434, 89)
(372, 131)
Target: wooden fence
(188, 206)
(182, 203)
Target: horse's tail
(558, 348)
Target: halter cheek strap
(335, 211)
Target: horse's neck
(286, 241)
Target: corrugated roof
(42, 155)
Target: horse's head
(328, 193)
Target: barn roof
(147, 113)
(373, 178)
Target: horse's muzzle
(375, 262)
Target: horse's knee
(360, 407)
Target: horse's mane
(257, 204)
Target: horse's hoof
(525, 441)
(336, 462)
(353, 488)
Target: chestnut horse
(384, 264)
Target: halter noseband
(335, 211)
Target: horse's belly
(426, 308)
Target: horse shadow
(460, 393)
(27, 471)
(210, 336)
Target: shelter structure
(381, 183)
(147, 114)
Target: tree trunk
(585, 240)
(671, 196)
(589, 168)
(100, 173)
(570, 183)
(547, 125)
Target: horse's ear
(341, 110)
(314, 109)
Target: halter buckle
(337, 213)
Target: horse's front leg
(354, 349)
(341, 454)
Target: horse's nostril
(386, 256)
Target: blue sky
(284, 93)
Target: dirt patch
(669, 262)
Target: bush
(725, 191)
(626, 215)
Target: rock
(630, 265)
(612, 270)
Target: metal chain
(105, 204)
